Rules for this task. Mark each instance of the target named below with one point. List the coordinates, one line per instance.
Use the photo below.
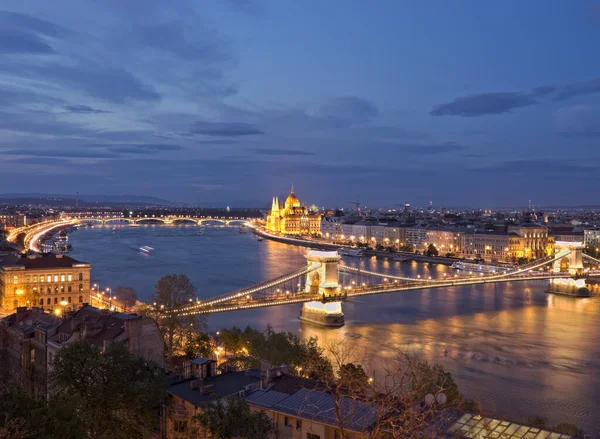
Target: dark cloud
(274, 151)
(578, 89)
(146, 148)
(481, 104)
(225, 129)
(81, 153)
(19, 42)
(216, 142)
(84, 109)
(348, 110)
(543, 90)
(33, 24)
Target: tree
(432, 250)
(353, 375)
(198, 345)
(116, 394)
(171, 292)
(226, 419)
(127, 296)
(23, 417)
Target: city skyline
(463, 104)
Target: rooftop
(42, 262)
(223, 385)
(289, 396)
(26, 320)
(476, 426)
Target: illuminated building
(293, 218)
(55, 283)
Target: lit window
(56, 278)
(70, 277)
(34, 279)
(62, 277)
(49, 278)
(15, 279)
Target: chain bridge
(325, 282)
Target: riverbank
(367, 252)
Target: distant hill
(69, 200)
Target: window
(49, 278)
(69, 288)
(27, 279)
(49, 289)
(62, 277)
(41, 301)
(42, 279)
(56, 278)
(34, 279)
(180, 426)
(62, 288)
(298, 424)
(15, 279)
(69, 299)
(286, 422)
(56, 300)
(56, 288)
(80, 299)
(70, 277)
(80, 276)
(312, 436)
(80, 287)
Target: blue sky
(464, 103)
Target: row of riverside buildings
(505, 243)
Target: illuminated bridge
(324, 283)
(164, 219)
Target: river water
(513, 348)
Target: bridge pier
(574, 260)
(323, 282)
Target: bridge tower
(573, 260)
(323, 282)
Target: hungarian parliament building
(293, 218)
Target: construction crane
(357, 204)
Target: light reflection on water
(513, 348)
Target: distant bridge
(166, 219)
(324, 283)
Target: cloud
(543, 90)
(348, 110)
(577, 121)
(578, 89)
(61, 154)
(225, 129)
(33, 24)
(84, 109)
(145, 148)
(481, 104)
(19, 42)
(215, 141)
(274, 151)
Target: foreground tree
(230, 418)
(116, 394)
(174, 291)
(23, 417)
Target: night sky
(465, 103)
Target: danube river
(516, 350)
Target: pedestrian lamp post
(218, 351)
(109, 292)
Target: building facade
(293, 218)
(23, 348)
(55, 283)
(591, 238)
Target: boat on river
(482, 268)
(146, 250)
(350, 252)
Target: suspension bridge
(325, 282)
